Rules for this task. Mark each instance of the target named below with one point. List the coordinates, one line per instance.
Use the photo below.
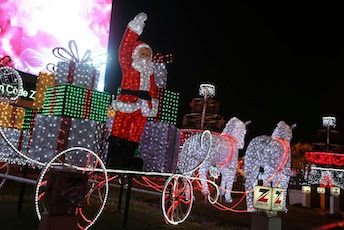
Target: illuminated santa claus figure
(137, 99)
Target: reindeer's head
(283, 131)
(237, 129)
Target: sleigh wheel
(76, 188)
(4, 169)
(177, 198)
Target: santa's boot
(117, 153)
(130, 149)
(137, 163)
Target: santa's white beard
(145, 68)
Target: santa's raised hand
(138, 23)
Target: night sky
(269, 61)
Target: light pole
(328, 122)
(206, 90)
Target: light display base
(334, 205)
(306, 200)
(260, 221)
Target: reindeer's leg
(229, 177)
(284, 184)
(269, 176)
(249, 185)
(223, 182)
(251, 175)
(203, 176)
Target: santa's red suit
(137, 99)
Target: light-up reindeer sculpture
(222, 158)
(272, 153)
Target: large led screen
(30, 29)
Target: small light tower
(206, 90)
(328, 122)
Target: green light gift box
(76, 101)
(168, 106)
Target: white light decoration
(83, 133)
(321, 190)
(159, 147)
(172, 193)
(272, 153)
(9, 142)
(223, 155)
(207, 90)
(329, 121)
(319, 175)
(334, 191)
(160, 74)
(306, 189)
(84, 74)
(178, 196)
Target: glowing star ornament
(223, 155)
(272, 153)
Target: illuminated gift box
(111, 113)
(29, 119)
(159, 147)
(77, 73)
(19, 139)
(44, 80)
(168, 106)
(11, 116)
(76, 101)
(53, 134)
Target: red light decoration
(324, 158)
(327, 182)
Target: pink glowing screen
(30, 29)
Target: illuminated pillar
(328, 122)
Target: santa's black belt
(139, 93)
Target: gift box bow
(72, 55)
